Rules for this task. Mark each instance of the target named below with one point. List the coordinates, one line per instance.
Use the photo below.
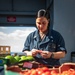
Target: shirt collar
(47, 39)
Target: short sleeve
(61, 43)
(27, 43)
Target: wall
(20, 12)
(64, 22)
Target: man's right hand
(34, 52)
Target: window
(14, 37)
(1, 48)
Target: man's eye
(43, 23)
(38, 23)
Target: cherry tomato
(46, 73)
(53, 72)
(45, 69)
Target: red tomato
(45, 69)
(40, 72)
(33, 72)
(53, 72)
(46, 73)
(25, 73)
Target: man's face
(42, 24)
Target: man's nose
(41, 25)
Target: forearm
(59, 55)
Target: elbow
(63, 54)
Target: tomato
(46, 73)
(33, 72)
(69, 72)
(40, 72)
(23, 72)
(53, 72)
(45, 69)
